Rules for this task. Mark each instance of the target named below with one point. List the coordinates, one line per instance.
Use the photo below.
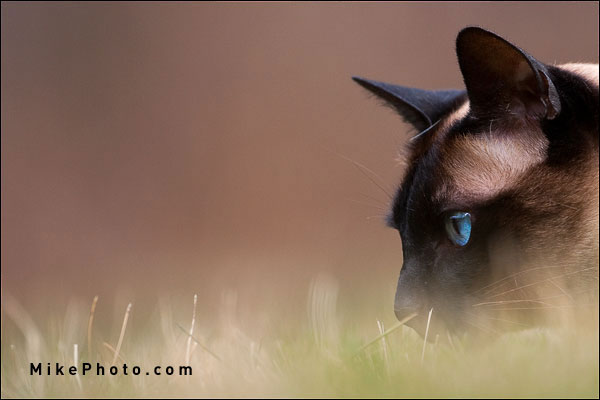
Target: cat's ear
(502, 79)
(421, 108)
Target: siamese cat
(498, 208)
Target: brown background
(182, 148)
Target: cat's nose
(408, 301)
(409, 308)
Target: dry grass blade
(426, 334)
(90, 324)
(203, 347)
(114, 351)
(123, 327)
(189, 341)
(75, 362)
(392, 329)
(386, 359)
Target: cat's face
(498, 208)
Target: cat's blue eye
(458, 227)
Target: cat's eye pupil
(456, 224)
(458, 227)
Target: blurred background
(172, 149)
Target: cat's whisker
(376, 200)
(563, 291)
(541, 299)
(569, 295)
(506, 320)
(542, 281)
(484, 329)
(506, 278)
(502, 285)
(368, 204)
(570, 306)
(495, 303)
(369, 174)
(379, 216)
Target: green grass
(319, 353)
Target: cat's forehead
(479, 159)
(476, 160)
(466, 160)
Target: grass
(325, 352)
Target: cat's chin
(431, 329)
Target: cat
(498, 208)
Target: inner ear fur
(502, 79)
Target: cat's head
(498, 208)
